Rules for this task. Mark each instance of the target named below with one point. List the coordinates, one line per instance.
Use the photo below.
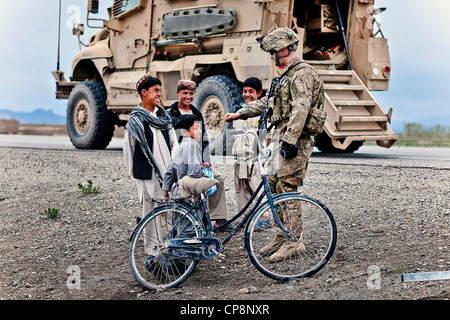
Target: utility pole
(59, 36)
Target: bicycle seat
(195, 186)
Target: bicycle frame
(266, 193)
(192, 249)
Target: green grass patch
(408, 141)
(397, 270)
(51, 213)
(89, 188)
(417, 135)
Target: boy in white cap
(217, 202)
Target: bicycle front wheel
(304, 250)
(151, 267)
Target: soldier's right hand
(231, 117)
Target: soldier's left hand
(288, 151)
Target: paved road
(408, 157)
(45, 142)
(366, 155)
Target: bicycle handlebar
(238, 133)
(263, 154)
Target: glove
(288, 151)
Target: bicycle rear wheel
(281, 257)
(151, 267)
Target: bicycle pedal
(220, 257)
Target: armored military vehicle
(214, 44)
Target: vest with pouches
(316, 117)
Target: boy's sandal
(262, 225)
(229, 227)
(152, 266)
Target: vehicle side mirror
(78, 29)
(92, 6)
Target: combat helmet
(278, 39)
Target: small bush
(51, 213)
(416, 129)
(89, 188)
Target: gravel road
(392, 214)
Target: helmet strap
(277, 58)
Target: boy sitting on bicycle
(187, 161)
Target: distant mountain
(37, 116)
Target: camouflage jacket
(297, 92)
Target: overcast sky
(417, 31)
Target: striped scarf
(135, 127)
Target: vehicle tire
(89, 123)
(214, 97)
(324, 144)
(163, 223)
(314, 243)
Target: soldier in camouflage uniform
(299, 89)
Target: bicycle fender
(163, 206)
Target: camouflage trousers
(288, 179)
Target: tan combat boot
(273, 246)
(287, 251)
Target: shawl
(135, 126)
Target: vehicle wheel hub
(213, 112)
(82, 116)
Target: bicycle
(182, 234)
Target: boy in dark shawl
(149, 142)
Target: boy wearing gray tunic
(187, 161)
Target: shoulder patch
(294, 90)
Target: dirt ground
(392, 219)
